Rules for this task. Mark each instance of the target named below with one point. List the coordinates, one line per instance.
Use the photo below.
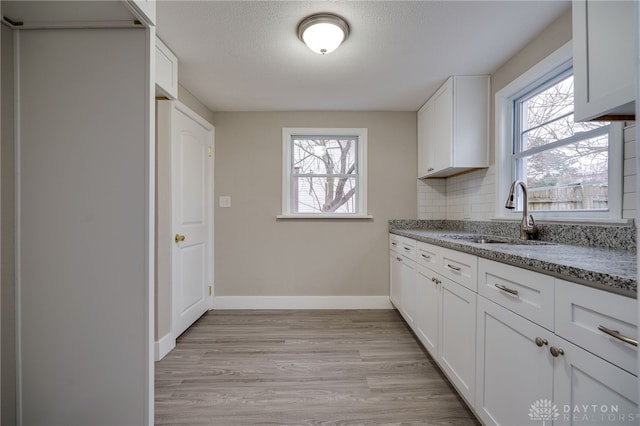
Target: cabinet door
(457, 344)
(513, 372)
(166, 71)
(590, 390)
(440, 143)
(604, 69)
(424, 128)
(395, 281)
(427, 309)
(408, 292)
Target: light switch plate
(225, 201)
(467, 211)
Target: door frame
(166, 336)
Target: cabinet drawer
(459, 267)
(580, 311)
(429, 255)
(403, 245)
(394, 243)
(524, 292)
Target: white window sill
(324, 216)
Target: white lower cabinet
(457, 344)
(395, 287)
(543, 376)
(445, 318)
(588, 390)
(445, 313)
(427, 309)
(408, 283)
(402, 275)
(526, 347)
(513, 372)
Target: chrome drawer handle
(506, 289)
(455, 268)
(407, 248)
(616, 334)
(399, 259)
(426, 257)
(394, 244)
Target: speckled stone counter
(609, 269)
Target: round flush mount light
(323, 32)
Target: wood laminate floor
(303, 368)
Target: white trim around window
(360, 175)
(504, 120)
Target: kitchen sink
(492, 239)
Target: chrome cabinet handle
(616, 334)
(455, 268)
(394, 244)
(540, 342)
(399, 259)
(430, 169)
(556, 352)
(506, 289)
(425, 256)
(407, 248)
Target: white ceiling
(245, 55)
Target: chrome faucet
(528, 228)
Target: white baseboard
(164, 346)
(301, 302)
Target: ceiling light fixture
(323, 32)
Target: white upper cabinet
(166, 71)
(604, 43)
(453, 128)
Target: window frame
(547, 69)
(361, 176)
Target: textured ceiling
(245, 55)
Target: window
(324, 173)
(565, 164)
(572, 169)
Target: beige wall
(7, 293)
(257, 255)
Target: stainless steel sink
(492, 239)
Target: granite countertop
(604, 268)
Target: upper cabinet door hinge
(210, 151)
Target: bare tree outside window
(324, 178)
(565, 163)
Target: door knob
(179, 238)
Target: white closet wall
(83, 160)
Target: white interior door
(191, 182)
